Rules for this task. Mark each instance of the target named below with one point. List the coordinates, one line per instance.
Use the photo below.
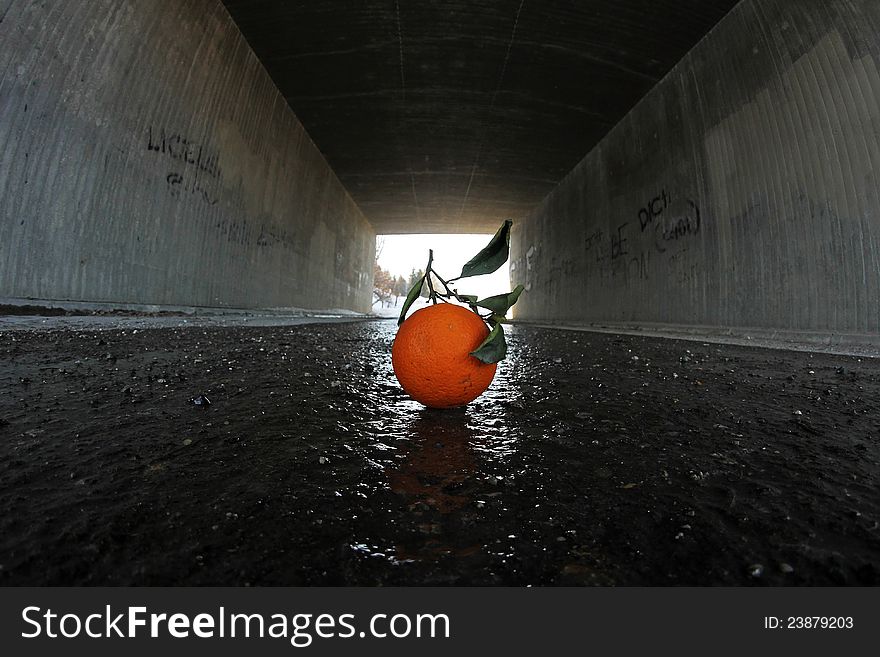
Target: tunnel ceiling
(451, 115)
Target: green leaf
(414, 293)
(469, 298)
(501, 303)
(493, 348)
(493, 255)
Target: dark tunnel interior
(453, 116)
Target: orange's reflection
(434, 479)
(440, 461)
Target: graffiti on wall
(180, 183)
(612, 255)
(663, 225)
(653, 210)
(182, 149)
(196, 167)
(666, 226)
(194, 172)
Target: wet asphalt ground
(594, 459)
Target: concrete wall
(742, 191)
(145, 156)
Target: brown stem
(450, 293)
(446, 285)
(431, 293)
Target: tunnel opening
(400, 259)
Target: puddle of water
(581, 464)
(439, 468)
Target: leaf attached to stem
(493, 348)
(493, 255)
(414, 293)
(501, 303)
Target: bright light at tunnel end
(401, 254)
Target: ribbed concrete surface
(453, 115)
(742, 191)
(146, 156)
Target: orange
(431, 356)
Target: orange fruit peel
(432, 359)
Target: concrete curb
(97, 307)
(848, 344)
(55, 314)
